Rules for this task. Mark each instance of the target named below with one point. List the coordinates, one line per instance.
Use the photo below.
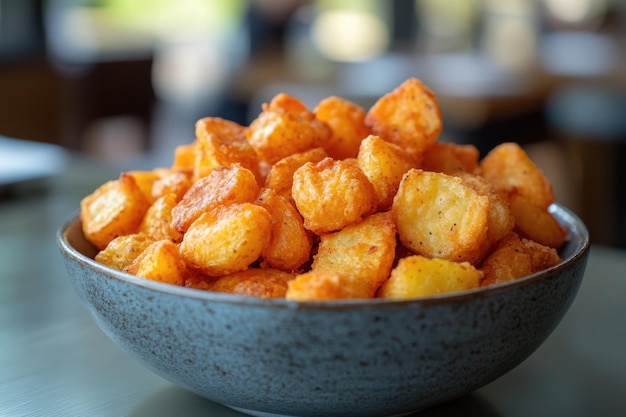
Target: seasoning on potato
(336, 203)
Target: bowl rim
(576, 231)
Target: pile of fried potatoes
(333, 203)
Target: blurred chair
(590, 122)
(29, 87)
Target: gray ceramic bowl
(349, 358)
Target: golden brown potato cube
(384, 164)
(509, 168)
(516, 258)
(227, 239)
(122, 251)
(347, 122)
(450, 158)
(438, 216)
(535, 223)
(507, 262)
(285, 127)
(145, 180)
(280, 176)
(198, 283)
(234, 184)
(542, 256)
(157, 223)
(418, 276)
(222, 143)
(171, 181)
(254, 282)
(409, 116)
(500, 221)
(194, 278)
(161, 262)
(332, 194)
(184, 158)
(363, 253)
(290, 244)
(114, 209)
(323, 285)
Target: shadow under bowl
(272, 357)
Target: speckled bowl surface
(348, 358)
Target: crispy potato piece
(234, 184)
(509, 168)
(254, 282)
(527, 191)
(171, 181)
(227, 239)
(194, 278)
(418, 276)
(122, 251)
(332, 194)
(500, 221)
(508, 262)
(363, 253)
(450, 158)
(161, 262)
(542, 256)
(280, 176)
(384, 164)
(516, 258)
(323, 285)
(145, 180)
(290, 244)
(347, 122)
(535, 223)
(157, 222)
(222, 143)
(285, 127)
(438, 216)
(184, 158)
(409, 116)
(114, 209)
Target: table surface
(54, 360)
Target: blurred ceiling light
(576, 11)
(164, 17)
(350, 36)
(112, 29)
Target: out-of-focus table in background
(54, 361)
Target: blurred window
(80, 30)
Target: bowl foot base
(256, 413)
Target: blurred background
(121, 78)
